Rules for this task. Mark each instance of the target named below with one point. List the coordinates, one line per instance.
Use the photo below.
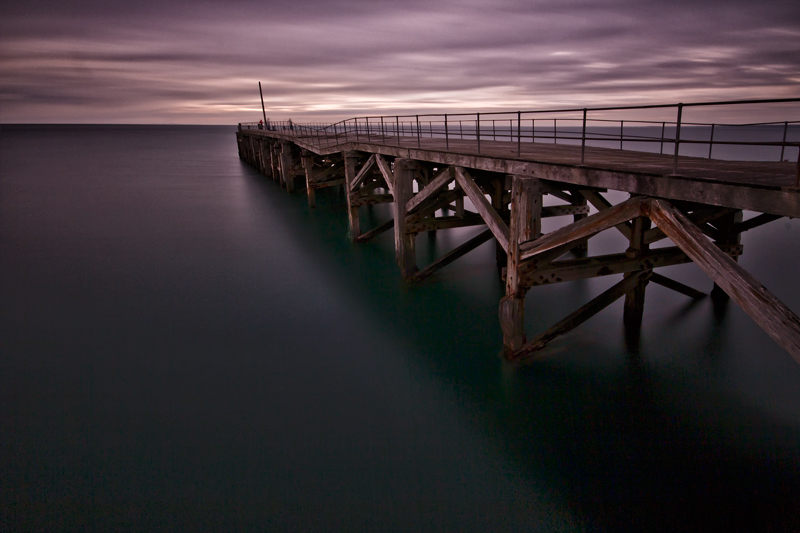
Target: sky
(181, 62)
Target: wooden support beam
(699, 216)
(404, 241)
(524, 224)
(601, 204)
(274, 150)
(319, 177)
(561, 210)
(677, 286)
(445, 199)
(587, 227)
(634, 299)
(350, 162)
(362, 174)
(441, 180)
(452, 255)
(762, 306)
(754, 222)
(606, 265)
(371, 199)
(490, 216)
(578, 200)
(388, 175)
(286, 166)
(327, 183)
(308, 164)
(386, 226)
(579, 317)
(439, 223)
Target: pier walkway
(687, 182)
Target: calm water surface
(185, 346)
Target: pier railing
(593, 127)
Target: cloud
(92, 61)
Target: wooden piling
(404, 241)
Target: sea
(184, 346)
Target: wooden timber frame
(433, 188)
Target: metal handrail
(512, 126)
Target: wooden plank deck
(762, 186)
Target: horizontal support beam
(605, 265)
(561, 210)
(358, 201)
(323, 184)
(429, 224)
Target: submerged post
(404, 242)
(350, 161)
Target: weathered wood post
(266, 163)
(727, 235)
(500, 187)
(350, 162)
(525, 224)
(308, 166)
(634, 298)
(275, 162)
(286, 166)
(404, 242)
(582, 249)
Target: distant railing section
(572, 126)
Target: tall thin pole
(263, 111)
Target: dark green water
(184, 346)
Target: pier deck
(438, 180)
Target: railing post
(355, 121)
(583, 138)
(555, 131)
(621, 132)
(382, 131)
(663, 125)
(418, 141)
(519, 133)
(783, 146)
(446, 134)
(478, 130)
(677, 139)
(711, 141)
(397, 128)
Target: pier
(690, 183)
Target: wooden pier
(449, 171)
